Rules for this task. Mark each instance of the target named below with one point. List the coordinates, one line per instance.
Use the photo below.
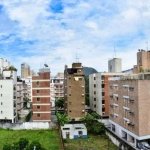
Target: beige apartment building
(129, 98)
(74, 91)
(143, 62)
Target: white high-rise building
(8, 93)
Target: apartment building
(98, 90)
(8, 93)
(57, 87)
(25, 70)
(28, 89)
(129, 107)
(20, 95)
(74, 91)
(41, 96)
(143, 61)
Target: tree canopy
(93, 126)
(62, 118)
(59, 103)
(23, 144)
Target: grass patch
(49, 139)
(93, 142)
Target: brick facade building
(41, 96)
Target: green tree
(93, 126)
(35, 144)
(87, 100)
(95, 115)
(7, 147)
(59, 103)
(23, 142)
(62, 118)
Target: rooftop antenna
(147, 45)
(77, 59)
(115, 51)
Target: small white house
(74, 131)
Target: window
(94, 106)
(70, 86)
(38, 98)
(94, 92)
(69, 110)
(94, 85)
(94, 99)
(1, 95)
(80, 79)
(1, 103)
(38, 107)
(1, 112)
(38, 91)
(94, 78)
(37, 83)
(38, 115)
(1, 86)
(69, 77)
(69, 103)
(69, 94)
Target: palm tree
(62, 119)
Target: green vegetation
(11, 68)
(87, 100)
(49, 139)
(96, 116)
(59, 103)
(62, 118)
(23, 144)
(93, 142)
(92, 125)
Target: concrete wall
(29, 125)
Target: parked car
(143, 146)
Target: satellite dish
(45, 65)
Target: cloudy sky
(53, 31)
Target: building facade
(57, 87)
(98, 90)
(115, 65)
(74, 91)
(143, 62)
(41, 96)
(129, 107)
(8, 93)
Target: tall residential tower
(74, 91)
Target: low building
(74, 131)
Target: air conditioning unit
(83, 103)
(83, 86)
(82, 94)
(83, 110)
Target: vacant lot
(49, 139)
(91, 143)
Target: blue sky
(53, 31)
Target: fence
(29, 125)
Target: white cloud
(89, 28)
